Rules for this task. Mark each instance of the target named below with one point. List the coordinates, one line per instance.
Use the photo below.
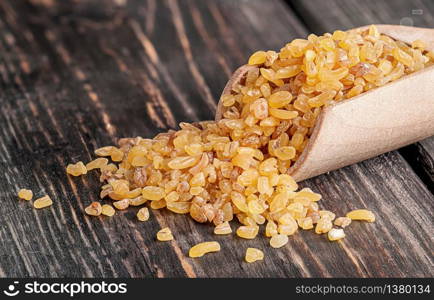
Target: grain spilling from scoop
(238, 166)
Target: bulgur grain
(164, 235)
(253, 254)
(201, 249)
(278, 240)
(25, 194)
(143, 214)
(76, 169)
(223, 228)
(42, 202)
(361, 215)
(342, 222)
(94, 209)
(336, 234)
(107, 210)
(122, 204)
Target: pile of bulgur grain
(238, 166)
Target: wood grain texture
(75, 75)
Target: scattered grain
(278, 240)
(253, 254)
(201, 249)
(361, 215)
(25, 194)
(342, 222)
(164, 235)
(42, 202)
(143, 214)
(108, 210)
(223, 228)
(76, 169)
(336, 234)
(94, 209)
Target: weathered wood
(75, 77)
(420, 157)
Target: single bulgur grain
(253, 254)
(248, 232)
(342, 222)
(143, 214)
(164, 235)
(42, 202)
(25, 194)
(258, 58)
(287, 229)
(361, 215)
(278, 240)
(270, 229)
(138, 201)
(201, 249)
(418, 44)
(107, 210)
(94, 209)
(104, 151)
(76, 169)
(97, 163)
(122, 204)
(305, 223)
(327, 214)
(336, 234)
(159, 204)
(324, 225)
(153, 193)
(223, 228)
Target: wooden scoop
(372, 123)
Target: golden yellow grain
(278, 240)
(153, 193)
(223, 228)
(324, 225)
(342, 222)
(164, 235)
(201, 249)
(336, 234)
(271, 229)
(94, 209)
(42, 202)
(257, 58)
(248, 232)
(121, 204)
(107, 210)
(361, 215)
(76, 169)
(143, 214)
(305, 223)
(25, 194)
(97, 163)
(253, 254)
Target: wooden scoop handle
(377, 121)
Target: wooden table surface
(76, 75)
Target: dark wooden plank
(74, 77)
(78, 76)
(324, 16)
(421, 157)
